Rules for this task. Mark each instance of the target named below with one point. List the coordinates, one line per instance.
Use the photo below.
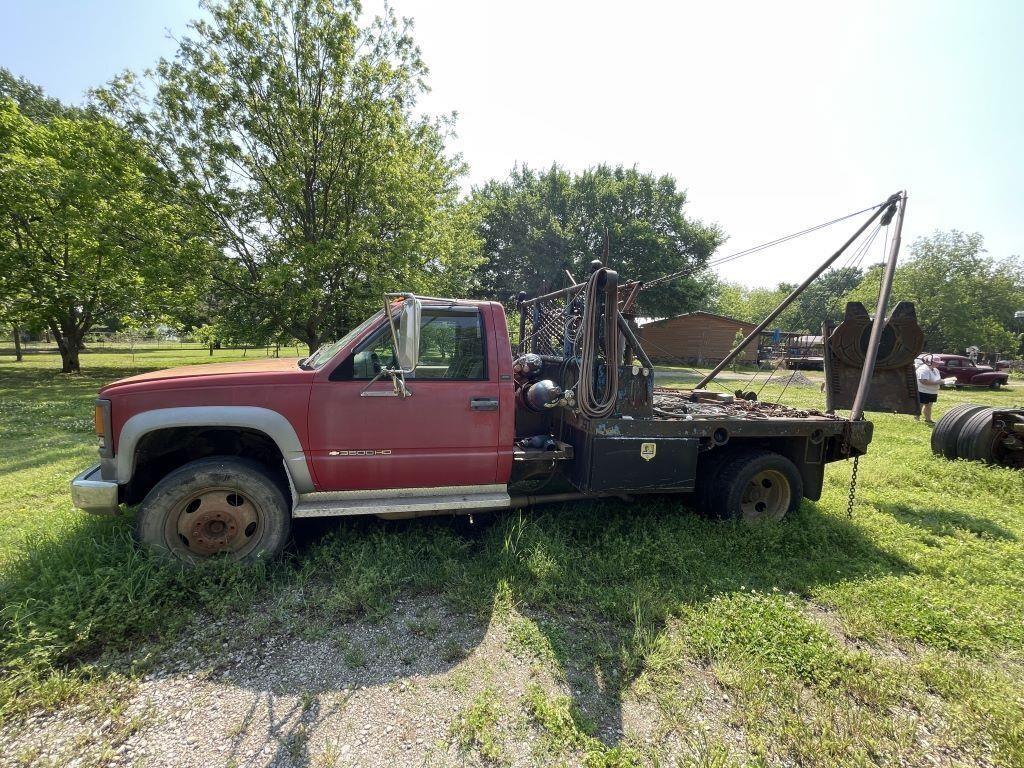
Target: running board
(404, 501)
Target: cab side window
(451, 347)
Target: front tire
(755, 486)
(215, 507)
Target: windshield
(319, 358)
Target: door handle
(483, 404)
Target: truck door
(445, 433)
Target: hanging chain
(853, 487)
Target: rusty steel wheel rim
(215, 521)
(766, 496)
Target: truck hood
(271, 370)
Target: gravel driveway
(404, 691)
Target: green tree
(823, 299)
(9, 318)
(36, 105)
(752, 305)
(962, 296)
(538, 225)
(31, 100)
(294, 128)
(88, 226)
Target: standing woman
(928, 379)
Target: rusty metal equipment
(892, 387)
(628, 437)
(875, 338)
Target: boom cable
(854, 260)
(753, 249)
(803, 347)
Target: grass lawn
(894, 637)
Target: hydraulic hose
(589, 403)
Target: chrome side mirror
(405, 340)
(407, 346)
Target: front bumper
(91, 494)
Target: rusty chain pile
(675, 404)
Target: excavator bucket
(893, 386)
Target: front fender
(264, 420)
(988, 378)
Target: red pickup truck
(425, 409)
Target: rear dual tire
(947, 429)
(978, 440)
(752, 485)
(966, 432)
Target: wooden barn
(696, 337)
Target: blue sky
(774, 116)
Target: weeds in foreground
(85, 591)
(474, 729)
(567, 731)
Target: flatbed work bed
(689, 437)
(580, 357)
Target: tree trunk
(70, 344)
(17, 344)
(312, 338)
(69, 357)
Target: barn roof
(700, 313)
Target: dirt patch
(885, 650)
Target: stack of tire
(965, 432)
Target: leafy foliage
(90, 227)
(35, 105)
(822, 300)
(292, 126)
(31, 99)
(962, 296)
(537, 225)
(752, 305)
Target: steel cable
(754, 249)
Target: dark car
(968, 374)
